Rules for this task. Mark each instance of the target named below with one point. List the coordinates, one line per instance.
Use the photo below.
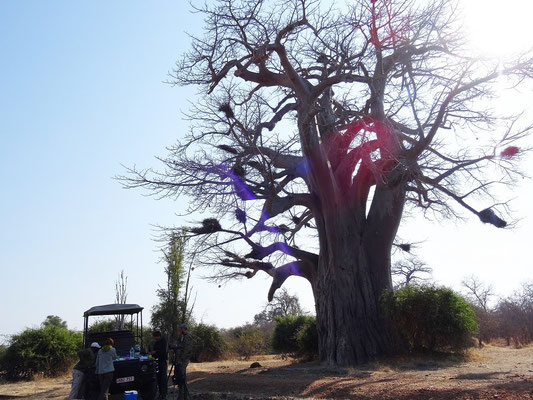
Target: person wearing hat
(105, 368)
(183, 356)
(86, 361)
(160, 352)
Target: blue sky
(81, 93)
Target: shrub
(208, 344)
(106, 325)
(246, 340)
(285, 338)
(430, 318)
(307, 339)
(3, 350)
(49, 351)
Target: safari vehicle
(135, 371)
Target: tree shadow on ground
(380, 380)
(293, 379)
(346, 388)
(54, 392)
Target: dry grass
(492, 372)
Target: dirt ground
(490, 373)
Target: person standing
(160, 351)
(105, 368)
(87, 357)
(183, 356)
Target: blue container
(130, 395)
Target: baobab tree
(316, 127)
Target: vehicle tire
(149, 391)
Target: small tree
(173, 307)
(121, 296)
(479, 295)
(282, 305)
(515, 315)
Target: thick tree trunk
(349, 321)
(354, 270)
(355, 247)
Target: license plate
(125, 379)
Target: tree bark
(350, 328)
(354, 270)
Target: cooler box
(130, 395)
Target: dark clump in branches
(488, 216)
(209, 225)
(227, 148)
(226, 109)
(239, 171)
(510, 151)
(405, 247)
(240, 215)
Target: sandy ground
(489, 373)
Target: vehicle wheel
(149, 391)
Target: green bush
(106, 325)
(285, 338)
(247, 340)
(430, 318)
(49, 351)
(3, 350)
(208, 344)
(307, 339)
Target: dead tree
(121, 296)
(409, 271)
(316, 128)
(479, 295)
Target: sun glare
(499, 28)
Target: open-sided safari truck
(133, 370)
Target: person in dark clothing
(160, 352)
(183, 356)
(79, 373)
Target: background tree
(49, 350)
(121, 297)
(325, 123)
(515, 316)
(54, 320)
(247, 340)
(208, 344)
(408, 271)
(106, 325)
(296, 335)
(283, 304)
(479, 295)
(173, 308)
(431, 318)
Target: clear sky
(82, 92)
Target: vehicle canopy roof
(113, 309)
